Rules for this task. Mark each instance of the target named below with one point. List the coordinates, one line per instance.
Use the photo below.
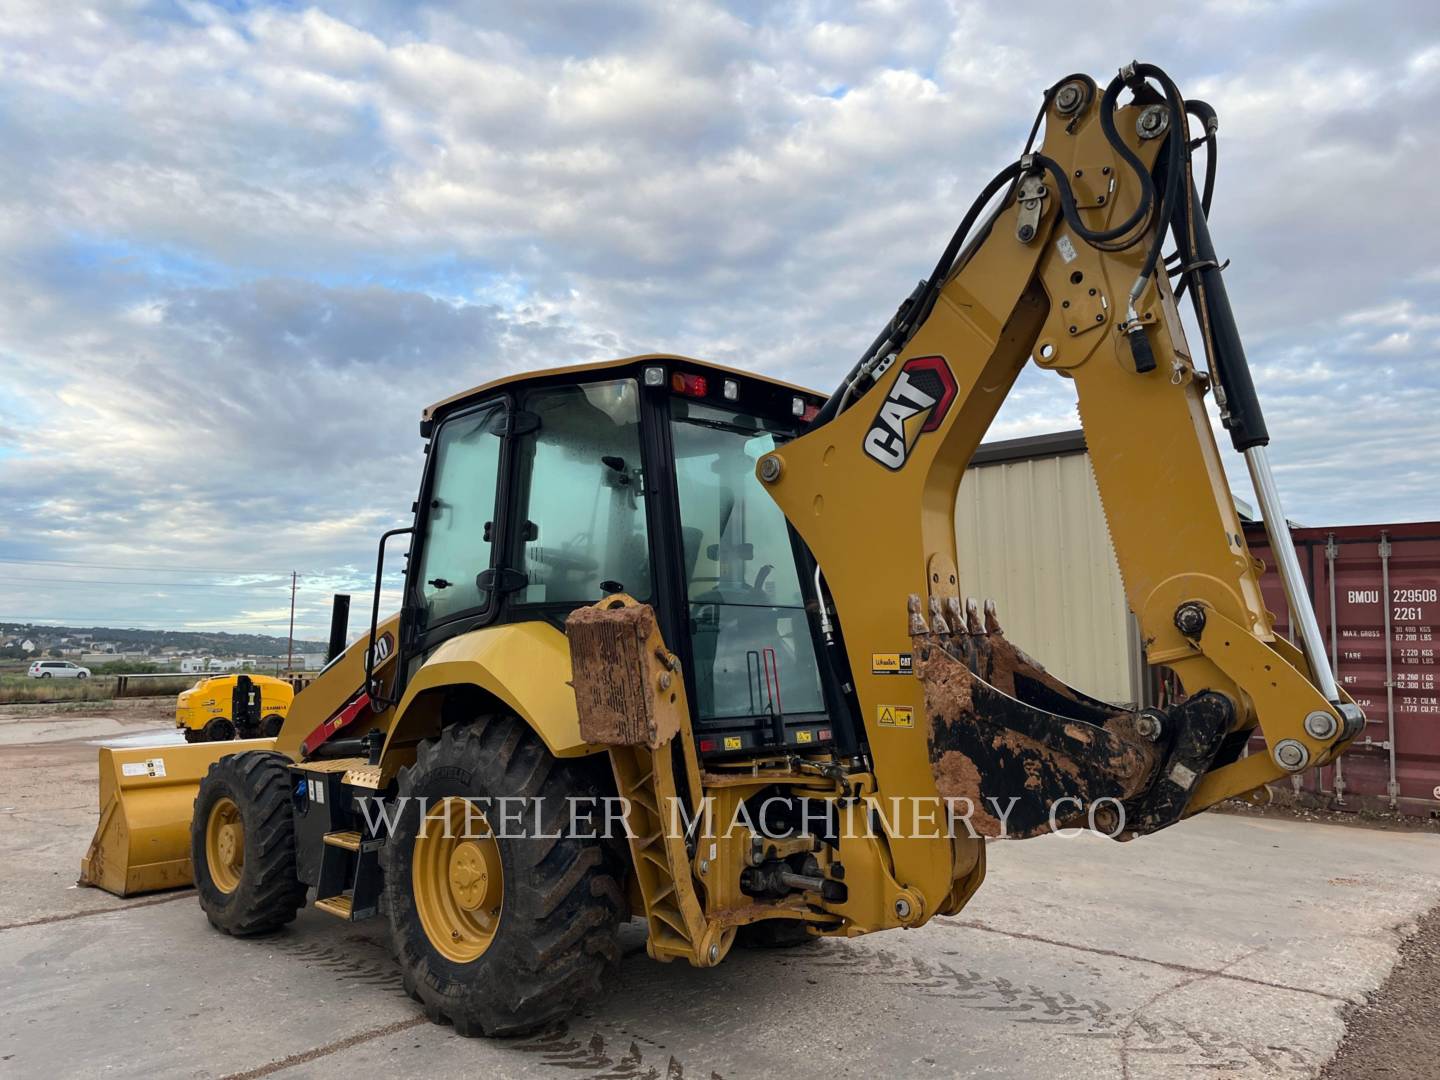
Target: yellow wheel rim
(225, 845)
(457, 880)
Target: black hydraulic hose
(1096, 237)
(1176, 162)
(920, 302)
(917, 307)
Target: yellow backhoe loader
(687, 643)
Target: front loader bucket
(147, 797)
(1027, 754)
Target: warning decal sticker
(895, 716)
(149, 767)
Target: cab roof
(606, 365)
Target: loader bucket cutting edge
(147, 798)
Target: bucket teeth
(938, 624)
(972, 616)
(992, 621)
(917, 621)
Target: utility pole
(290, 653)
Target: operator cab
(547, 492)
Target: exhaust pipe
(339, 626)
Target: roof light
(689, 385)
(731, 389)
(654, 376)
(797, 406)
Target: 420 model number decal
(918, 400)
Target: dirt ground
(1396, 1034)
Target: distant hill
(134, 639)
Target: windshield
(743, 588)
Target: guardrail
(124, 688)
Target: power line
(121, 566)
(142, 584)
(225, 571)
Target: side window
(742, 582)
(456, 545)
(583, 505)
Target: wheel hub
(225, 845)
(470, 876)
(458, 880)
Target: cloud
(243, 245)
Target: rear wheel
(242, 844)
(219, 730)
(271, 725)
(498, 931)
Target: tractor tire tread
(563, 900)
(270, 893)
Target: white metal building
(1032, 536)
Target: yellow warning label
(804, 736)
(895, 716)
(891, 663)
(732, 742)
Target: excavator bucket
(1029, 754)
(147, 798)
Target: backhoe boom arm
(1066, 275)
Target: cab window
(459, 514)
(746, 603)
(581, 517)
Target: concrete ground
(1225, 947)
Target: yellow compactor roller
(687, 643)
(220, 707)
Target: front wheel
(498, 930)
(82, 675)
(242, 844)
(219, 730)
(271, 725)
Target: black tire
(193, 736)
(82, 675)
(556, 938)
(44, 674)
(271, 725)
(219, 730)
(268, 893)
(773, 934)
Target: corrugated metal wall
(1032, 536)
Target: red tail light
(689, 385)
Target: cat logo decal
(918, 400)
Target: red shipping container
(1376, 591)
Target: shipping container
(1376, 592)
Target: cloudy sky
(241, 245)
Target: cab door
(449, 579)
